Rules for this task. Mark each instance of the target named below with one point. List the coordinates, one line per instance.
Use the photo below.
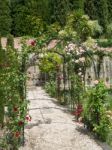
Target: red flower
(15, 109)
(78, 110)
(28, 118)
(32, 42)
(17, 134)
(20, 123)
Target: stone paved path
(52, 127)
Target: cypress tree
(109, 11)
(76, 4)
(26, 14)
(5, 18)
(102, 13)
(39, 8)
(20, 25)
(10, 41)
(17, 13)
(97, 9)
(60, 9)
(90, 9)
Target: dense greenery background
(23, 17)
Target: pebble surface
(52, 127)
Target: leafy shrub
(50, 88)
(80, 26)
(95, 113)
(109, 30)
(105, 43)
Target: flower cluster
(31, 42)
(80, 60)
(17, 134)
(109, 114)
(70, 47)
(28, 117)
(78, 111)
(20, 124)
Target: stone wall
(105, 72)
(17, 42)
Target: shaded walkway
(52, 127)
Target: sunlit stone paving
(53, 127)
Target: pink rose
(31, 42)
(96, 82)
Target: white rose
(82, 59)
(76, 61)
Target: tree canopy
(27, 15)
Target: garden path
(52, 126)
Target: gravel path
(52, 127)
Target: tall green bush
(98, 10)
(95, 112)
(5, 18)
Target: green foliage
(95, 115)
(27, 20)
(105, 42)
(76, 4)
(98, 10)
(2, 86)
(80, 26)
(13, 102)
(109, 30)
(5, 18)
(76, 90)
(109, 2)
(49, 62)
(36, 25)
(50, 88)
(39, 8)
(20, 24)
(25, 14)
(53, 29)
(59, 11)
(90, 9)
(10, 41)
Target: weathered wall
(105, 72)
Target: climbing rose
(78, 110)
(76, 61)
(81, 50)
(82, 59)
(17, 134)
(79, 73)
(32, 42)
(20, 123)
(28, 118)
(96, 82)
(15, 109)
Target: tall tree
(76, 4)
(110, 10)
(5, 18)
(39, 8)
(28, 16)
(20, 25)
(102, 13)
(60, 9)
(98, 9)
(17, 14)
(90, 9)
